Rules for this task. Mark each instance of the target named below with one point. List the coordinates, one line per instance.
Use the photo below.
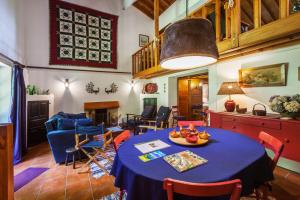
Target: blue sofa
(61, 133)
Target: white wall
(131, 23)
(12, 29)
(228, 71)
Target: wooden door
(37, 115)
(183, 97)
(190, 98)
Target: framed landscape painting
(266, 76)
(143, 40)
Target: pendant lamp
(187, 44)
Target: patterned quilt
(82, 36)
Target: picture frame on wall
(143, 40)
(264, 76)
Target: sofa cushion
(76, 116)
(65, 124)
(61, 132)
(84, 122)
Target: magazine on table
(184, 160)
(151, 156)
(150, 146)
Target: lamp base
(229, 105)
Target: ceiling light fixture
(188, 43)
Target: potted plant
(287, 106)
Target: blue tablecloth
(230, 155)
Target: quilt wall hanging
(82, 36)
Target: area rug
(114, 196)
(95, 170)
(27, 176)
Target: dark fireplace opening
(101, 116)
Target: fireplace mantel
(101, 105)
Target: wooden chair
(176, 116)
(233, 188)
(95, 146)
(277, 147)
(125, 135)
(187, 123)
(161, 120)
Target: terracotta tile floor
(64, 183)
(60, 182)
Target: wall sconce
(67, 83)
(132, 83)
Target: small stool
(72, 152)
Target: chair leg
(79, 156)
(66, 162)
(121, 194)
(73, 160)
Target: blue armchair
(61, 133)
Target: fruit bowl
(189, 137)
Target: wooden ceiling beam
(268, 9)
(144, 9)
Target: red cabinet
(288, 131)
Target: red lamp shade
(229, 88)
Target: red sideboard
(288, 131)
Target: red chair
(233, 187)
(277, 147)
(187, 123)
(125, 135)
(274, 144)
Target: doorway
(193, 96)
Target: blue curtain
(18, 113)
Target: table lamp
(229, 88)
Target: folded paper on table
(150, 146)
(151, 156)
(184, 160)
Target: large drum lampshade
(188, 43)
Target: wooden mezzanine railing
(237, 39)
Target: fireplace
(102, 112)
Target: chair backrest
(275, 144)
(232, 188)
(175, 111)
(125, 135)
(148, 112)
(187, 123)
(163, 115)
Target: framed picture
(265, 76)
(143, 40)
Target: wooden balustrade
(6, 160)
(233, 42)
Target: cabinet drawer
(228, 119)
(271, 124)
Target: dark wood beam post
(218, 20)
(156, 18)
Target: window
(5, 92)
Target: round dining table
(230, 156)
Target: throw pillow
(65, 124)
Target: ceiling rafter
(146, 5)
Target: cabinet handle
(262, 123)
(286, 140)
